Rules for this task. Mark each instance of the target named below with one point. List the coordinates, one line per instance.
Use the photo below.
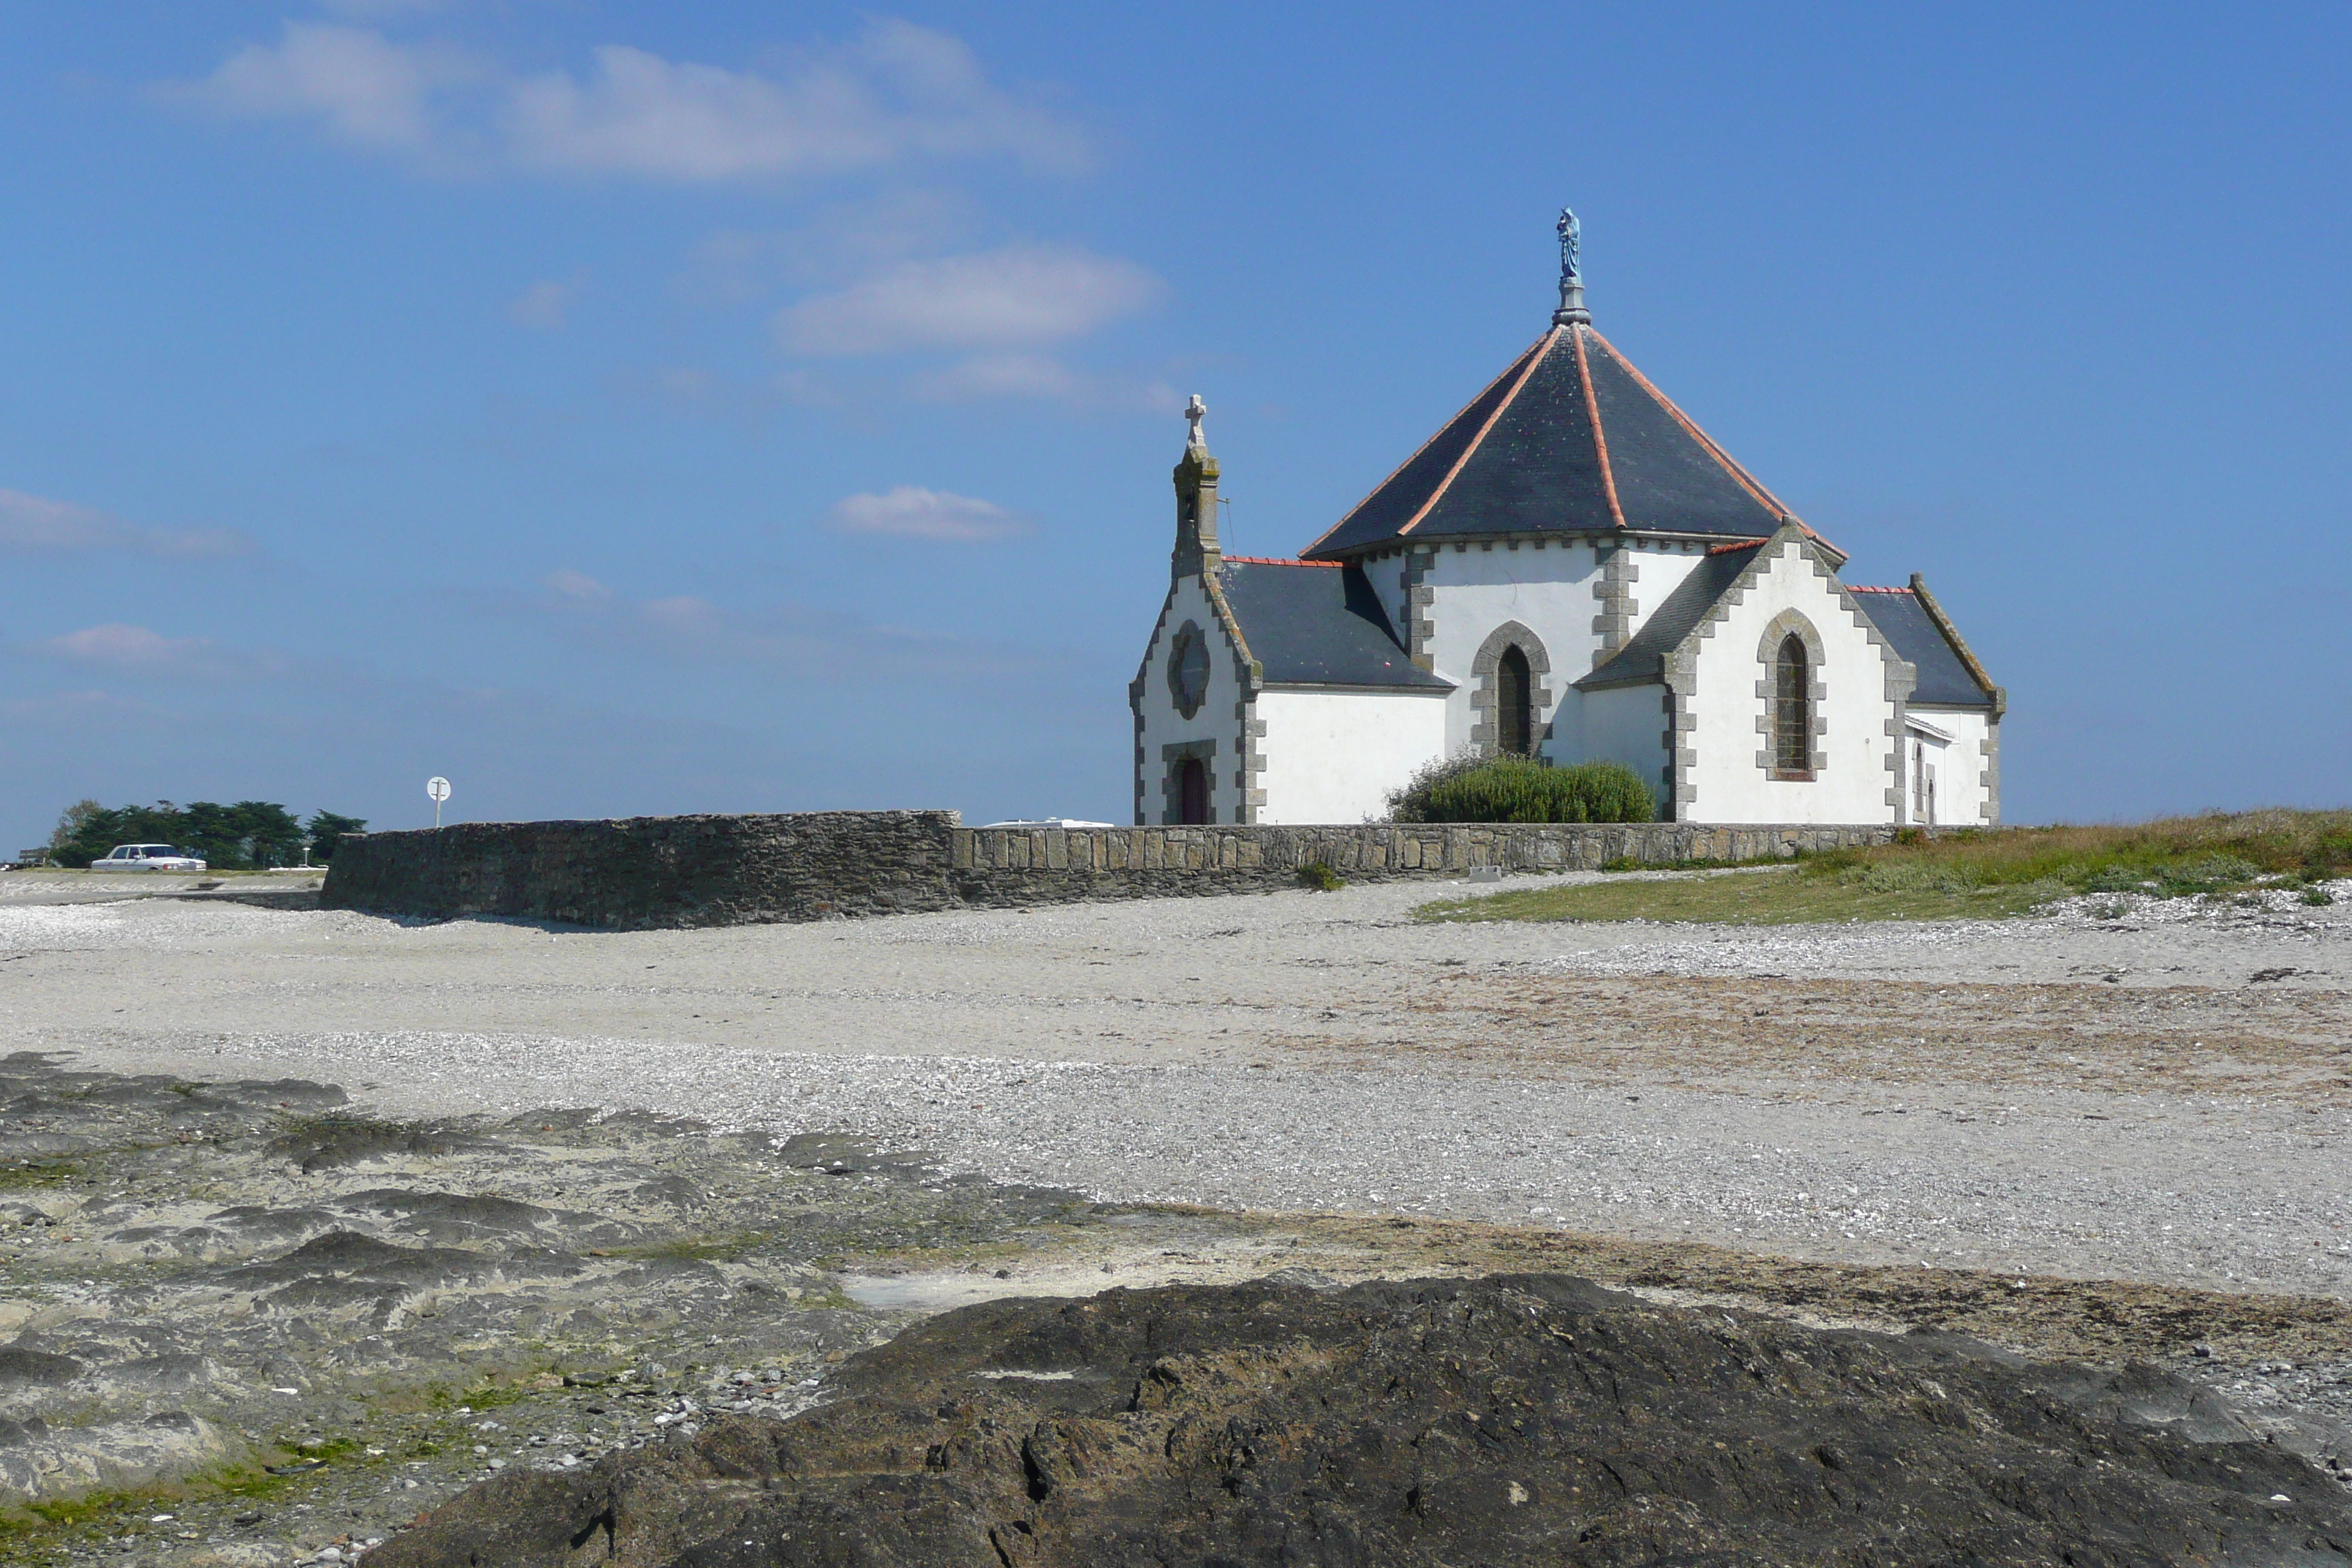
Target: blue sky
(631, 408)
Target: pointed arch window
(1792, 711)
(1515, 718)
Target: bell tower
(1196, 552)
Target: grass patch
(22, 1176)
(1970, 875)
(695, 1248)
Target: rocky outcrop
(1519, 1419)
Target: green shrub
(1317, 877)
(1472, 788)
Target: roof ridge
(1736, 544)
(1527, 355)
(1741, 475)
(1276, 561)
(1860, 588)
(1599, 437)
(1951, 634)
(1535, 357)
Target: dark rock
(23, 1368)
(334, 1141)
(1525, 1419)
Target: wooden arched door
(1192, 792)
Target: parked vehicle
(147, 858)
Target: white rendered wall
(1333, 756)
(1962, 797)
(1216, 720)
(1852, 784)
(1628, 724)
(1546, 588)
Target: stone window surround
(1187, 636)
(1171, 796)
(1682, 678)
(1768, 656)
(1483, 728)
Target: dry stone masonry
(654, 872)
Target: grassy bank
(1968, 874)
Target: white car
(147, 858)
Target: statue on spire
(1571, 311)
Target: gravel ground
(1298, 1051)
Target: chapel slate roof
(1644, 655)
(1902, 620)
(1318, 625)
(1571, 439)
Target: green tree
(72, 823)
(326, 830)
(248, 835)
(266, 834)
(89, 830)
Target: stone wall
(648, 872)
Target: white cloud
(911, 512)
(992, 299)
(897, 93)
(577, 585)
(35, 525)
(136, 650)
(361, 86)
(541, 305)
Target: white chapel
(1571, 568)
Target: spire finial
(1194, 411)
(1571, 311)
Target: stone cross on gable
(1194, 411)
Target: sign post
(438, 788)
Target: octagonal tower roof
(1571, 439)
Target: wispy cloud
(137, 651)
(795, 638)
(35, 525)
(1008, 297)
(543, 305)
(897, 93)
(367, 8)
(839, 242)
(911, 512)
(357, 85)
(995, 377)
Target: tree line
(249, 835)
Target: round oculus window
(1187, 669)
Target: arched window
(1515, 719)
(1192, 792)
(1792, 711)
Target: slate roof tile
(1902, 620)
(1321, 624)
(1571, 439)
